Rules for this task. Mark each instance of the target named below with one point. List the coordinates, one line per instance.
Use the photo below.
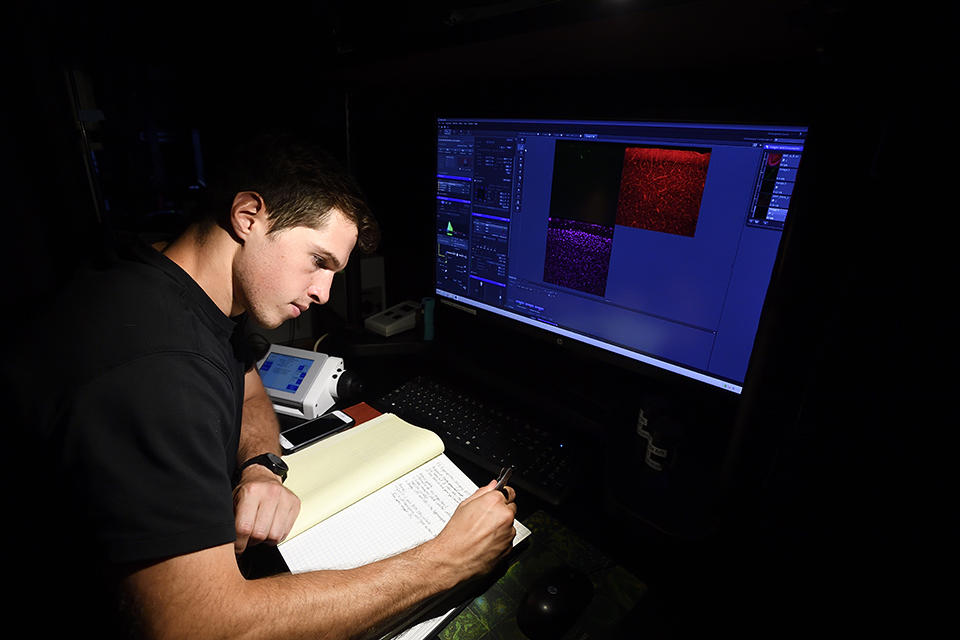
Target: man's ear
(247, 210)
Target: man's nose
(319, 292)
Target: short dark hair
(300, 184)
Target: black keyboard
(487, 436)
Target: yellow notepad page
(334, 473)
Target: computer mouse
(554, 603)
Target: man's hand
(480, 533)
(265, 510)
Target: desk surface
(492, 615)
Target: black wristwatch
(271, 461)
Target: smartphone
(311, 431)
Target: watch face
(278, 461)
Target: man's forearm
(327, 604)
(265, 511)
(259, 429)
(366, 600)
(203, 594)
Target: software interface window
(651, 240)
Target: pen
(502, 479)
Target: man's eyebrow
(326, 255)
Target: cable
(319, 340)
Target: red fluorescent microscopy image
(661, 189)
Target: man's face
(277, 276)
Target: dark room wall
(742, 61)
(839, 471)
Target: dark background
(838, 514)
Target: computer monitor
(652, 242)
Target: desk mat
(492, 615)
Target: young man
(156, 431)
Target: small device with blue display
(305, 384)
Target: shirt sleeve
(149, 447)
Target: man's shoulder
(131, 304)
(127, 300)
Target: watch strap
(269, 460)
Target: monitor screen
(652, 241)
